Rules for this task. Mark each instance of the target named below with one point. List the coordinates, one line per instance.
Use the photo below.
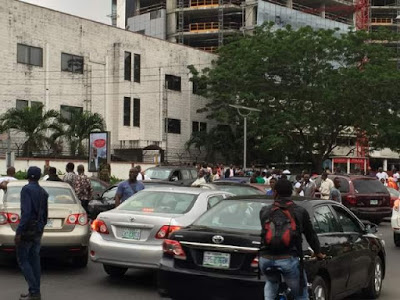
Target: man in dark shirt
(33, 208)
(53, 175)
(288, 261)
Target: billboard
(99, 150)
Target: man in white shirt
(381, 174)
(200, 179)
(141, 176)
(297, 186)
(326, 186)
(9, 177)
(396, 175)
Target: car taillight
(254, 263)
(351, 199)
(174, 248)
(165, 231)
(8, 218)
(77, 219)
(100, 226)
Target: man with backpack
(283, 224)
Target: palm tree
(32, 122)
(77, 128)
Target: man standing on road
(326, 186)
(70, 176)
(335, 193)
(30, 231)
(83, 188)
(53, 175)
(128, 187)
(288, 258)
(308, 186)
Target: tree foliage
(311, 86)
(32, 122)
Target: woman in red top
(392, 183)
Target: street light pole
(249, 111)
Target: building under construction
(385, 13)
(205, 24)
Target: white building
(136, 82)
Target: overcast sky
(96, 10)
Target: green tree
(77, 127)
(312, 86)
(32, 122)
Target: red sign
(357, 160)
(100, 143)
(340, 160)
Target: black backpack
(279, 231)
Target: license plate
(216, 260)
(53, 223)
(373, 202)
(131, 234)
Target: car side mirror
(371, 228)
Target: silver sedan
(131, 235)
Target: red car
(365, 196)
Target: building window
(67, 111)
(173, 82)
(136, 112)
(155, 14)
(136, 66)
(29, 55)
(198, 87)
(127, 111)
(22, 104)
(199, 126)
(71, 63)
(173, 126)
(128, 66)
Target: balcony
(383, 22)
(210, 27)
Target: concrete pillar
(323, 10)
(289, 4)
(250, 14)
(385, 165)
(171, 20)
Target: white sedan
(396, 222)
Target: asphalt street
(62, 282)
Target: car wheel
(373, 290)
(319, 289)
(396, 238)
(80, 261)
(114, 271)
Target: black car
(178, 174)
(217, 257)
(106, 200)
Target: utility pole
(244, 115)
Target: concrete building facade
(139, 84)
(205, 24)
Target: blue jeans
(29, 261)
(291, 273)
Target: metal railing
(211, 27)
(382, 21)
(208, 49)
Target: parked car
(131, 235)
(179, 174)
(67, 231)
(394, 195)
(106, 200)
(98, 186)
(233, 187)
(366, 197)
(238, 179)
(217, 256)
(395, 220)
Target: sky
(96, 10)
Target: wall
(152, 27)
(102, 87)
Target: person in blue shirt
(33, 208)
(128, 187)
(272, 183)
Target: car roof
(185, 190)
(171, 167)
(232, 183)
(302, 201)
(349, 176)
(41, 183)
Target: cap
(34, 173)
(286, 172)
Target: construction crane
(360, 8)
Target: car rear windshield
(233, 214)
(155, 173)
(159, 202)
(369, 186)
(57, 195)
(239, 190)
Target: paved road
(62, 282)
